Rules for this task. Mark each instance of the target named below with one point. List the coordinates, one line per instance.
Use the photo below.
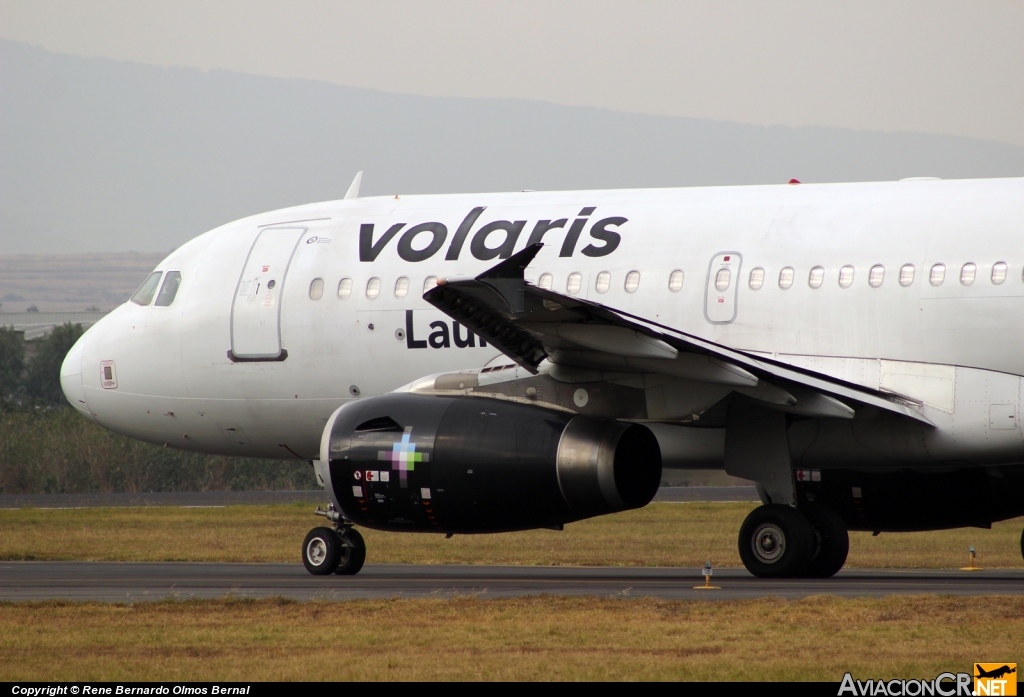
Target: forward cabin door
(256, 307)
(721, 288)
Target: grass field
(817, 638)
(662, 534)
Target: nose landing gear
(778, 541)
(338, 550)
(353, 553)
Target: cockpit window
(169, 289)
(144, 295)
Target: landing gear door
(256, 307)
(721, 288)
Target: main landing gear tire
(321, 551)
(776, 541)
(831, 542)
(353, 553)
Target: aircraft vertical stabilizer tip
(353, 189)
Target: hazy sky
(929, 66)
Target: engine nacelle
(418, 463)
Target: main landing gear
(779, 541)
(338, 550)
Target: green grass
(662, 534)
(817, 638)
(56, 451)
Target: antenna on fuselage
(353, 190)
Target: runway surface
(133, 582)
(200, 499)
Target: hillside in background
(98, 155)
(71, 282)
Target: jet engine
(458, 464)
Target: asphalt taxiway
(134, 582)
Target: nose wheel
(353, 553)
(326, 551)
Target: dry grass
(658, 535)
(817, 638)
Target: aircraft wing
(530, 324)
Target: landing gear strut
(778, 541)
(338, 550)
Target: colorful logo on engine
(403, 457)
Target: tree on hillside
(43, 380)
(12, 362)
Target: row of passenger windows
(723, 279)
(876, 276)
(573, 284)
(316, 288)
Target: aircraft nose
(71, 376)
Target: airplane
(481, 363)
(994, 673)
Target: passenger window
(546, 281)
(169, 289)
(401, 287)
(846, 276)
(816, 277)
(429, 282)
(675, 281)
(937, 275)
(632, 281)
(572, 284)
(144, 295)
(998, 273)
(756, 278)
(876, 275)
(344, 288)
(786, 278)
(722, 279)
(373, 288)
(906, 275)
(316, 289)
(604, 281)
(967, 273)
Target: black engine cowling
(421, 463)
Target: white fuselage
(947, 345)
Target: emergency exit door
(721, 288)
(256, 307)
